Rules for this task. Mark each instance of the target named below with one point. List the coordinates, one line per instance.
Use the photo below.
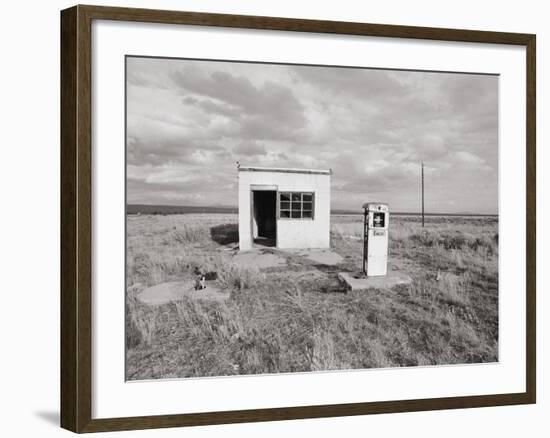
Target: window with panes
(296, 205)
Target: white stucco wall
(291, 233)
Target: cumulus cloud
(468, 157)
(261, 109)
(430, 147)
(189, 121)
(248, 149)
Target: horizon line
(342, 210)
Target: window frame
(290, 201)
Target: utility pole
(422, 194)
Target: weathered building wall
(291, 233)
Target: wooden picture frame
(76, 218)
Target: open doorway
(264, 220)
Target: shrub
(186, 233)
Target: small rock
(212, 275)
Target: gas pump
(375, 239)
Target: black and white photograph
(285, 218)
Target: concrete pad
(176, 290)
(355, 282)
(232, 247)
(323, 256)
(260, 259)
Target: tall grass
(278, 322)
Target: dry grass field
(298, 318)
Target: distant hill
(176, 209)
(186, 209)
(404, 213)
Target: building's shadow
(225, 234)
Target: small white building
(285, 208)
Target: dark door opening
(264, 217)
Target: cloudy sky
(189, 122)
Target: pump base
(358, 281)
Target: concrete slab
(176, 290)
(355, 281)
(323, 256)
(233, 247)
(260, 259)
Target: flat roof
(284, 170)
